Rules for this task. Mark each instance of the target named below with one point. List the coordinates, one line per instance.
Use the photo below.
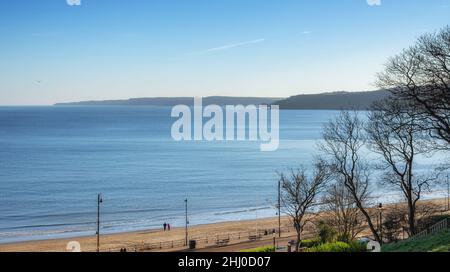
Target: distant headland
(321, 101)
(172, 101)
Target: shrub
(344, 238)
(330, 247)
(260, 249)
(353, 246)
(357, 246)
(392, 225)
(326, 233)
(310, 243)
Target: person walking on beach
(165, 226)
(168, 227)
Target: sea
(55, 160)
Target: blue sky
(113, 49)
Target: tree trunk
(411, 218)
(375, 233)
(299, 241)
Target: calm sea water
(54, 161)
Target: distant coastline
(172, 101)
(321, 101)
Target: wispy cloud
(374, 2)
(230, 46)
(73, 2)
(306, 32)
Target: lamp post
(279, 208)
(274, 240)
(256, 223)
(448, 194)
(380, 227)
(99, 200)
(187, 222)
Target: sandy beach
(235, 231)
(208, 235)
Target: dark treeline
(412, 120)
(333, 101)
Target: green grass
(436, 243)
(260, 249)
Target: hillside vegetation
(333, 101)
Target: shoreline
(113, 242)
(244, 214)
(159, 240)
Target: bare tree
(393, 223)
(344, 140)
(345, 216)
(421, 75)
(299, 195)
(395, 134)
(428, 214)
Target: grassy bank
(435, 243)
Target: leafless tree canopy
(300, 194)
(426, 215)
(421, 75)
(345, 216)
(395, 134)
(344, 142)
(394, 222)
